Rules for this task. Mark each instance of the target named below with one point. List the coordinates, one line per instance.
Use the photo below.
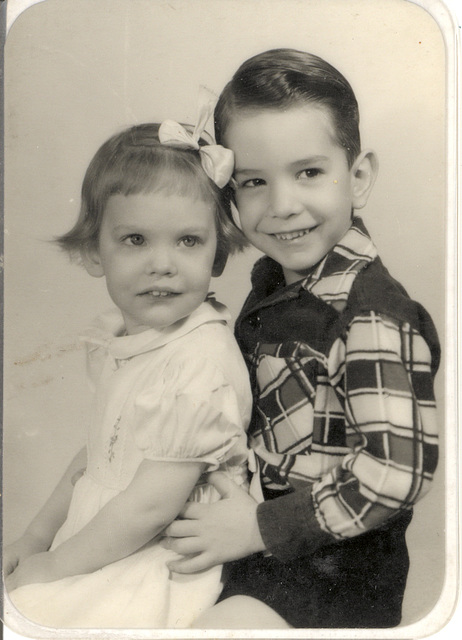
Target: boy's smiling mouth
(293, 235)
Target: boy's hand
(19, 550)
(211, 534)
(37, 568)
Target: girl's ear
(92, 262)
(363, 173)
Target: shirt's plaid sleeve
(381, 373)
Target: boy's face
(294, 190)
(156, 251)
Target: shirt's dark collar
(268, 278)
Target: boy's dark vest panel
(304, 317)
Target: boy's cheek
(247, 217)
(248, 229)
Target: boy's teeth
(290, 236)
(159, 294)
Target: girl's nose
(160, 262)
(284, 201)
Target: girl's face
(294, 190)
(156, 251)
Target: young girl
(171, 393)
(341, 363)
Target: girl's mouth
(159, 293)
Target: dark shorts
(355, 583)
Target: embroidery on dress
(114, 437)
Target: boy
(341, 363)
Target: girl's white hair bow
(216, 160)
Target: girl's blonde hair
(134, 161)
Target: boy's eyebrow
(310, 160)
(246, 171)
(296, 163)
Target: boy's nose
(284, 201)
(160, 262)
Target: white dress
(179, 394)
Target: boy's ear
(92, 262)
(363, 172)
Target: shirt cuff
(289, 527)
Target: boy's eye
(309, 173)
(251, 184)
(135, 239)
(190, 241)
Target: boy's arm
(383, 371)
(42, 529)
(212, 534)
(127, 522)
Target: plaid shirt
(344, 425)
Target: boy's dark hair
(133, 162)
(281, 78)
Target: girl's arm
(41, 531)
(153, 499)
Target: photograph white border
(442, 616)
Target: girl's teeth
(160, 294)
(290, 236)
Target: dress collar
(107, 331)
(330, 279)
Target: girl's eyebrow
(128, 228)
(193, 230)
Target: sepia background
(76, 71)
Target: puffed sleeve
(192, 415)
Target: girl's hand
(37, 568)
(19, 550)
(211, 534)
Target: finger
(223, 484)
(192, 564)
(185, 546)
(181, 529)
(192, 510)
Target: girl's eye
(135, 239)
(309, 173)
(190, 241)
